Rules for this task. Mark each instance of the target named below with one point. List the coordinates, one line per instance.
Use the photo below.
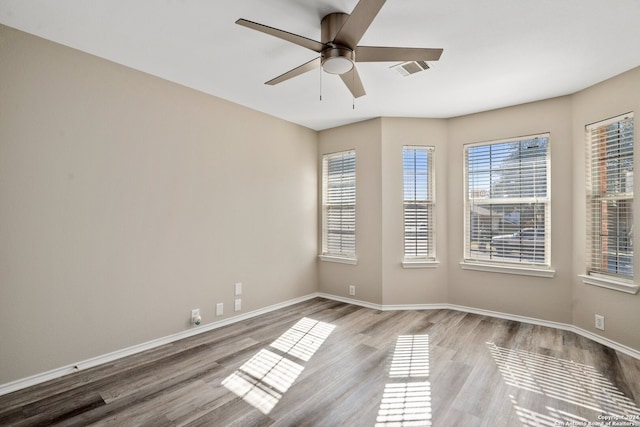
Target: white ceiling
(496, 52)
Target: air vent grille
(407, 68)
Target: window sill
(420, 263)
(507, 269)
(338, 259)
(610, 283)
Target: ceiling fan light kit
(337, 60)
(338, 48)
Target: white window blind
(339, 204)
(507, 201)
(610, 197)
(418, 203)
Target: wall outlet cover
(599, 322)
(219, 309)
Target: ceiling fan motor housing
(335, 59)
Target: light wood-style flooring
(327, 363)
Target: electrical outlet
(599, 322)
(352, 290)
(238, 304)
(219, 309)
(238, 289)
(195, 315)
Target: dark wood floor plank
(482, 371)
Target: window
(507, 202)
(609, 204)
(418, 203)
(339, 205)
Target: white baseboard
(352, 301)
(531, 320)
(557, 325)
(109, 357)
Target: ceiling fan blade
(353, 82)
(356, 25)
(396, 54)
(313, 64)
(284, 35)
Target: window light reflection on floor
(406, 400)
(410, 357)
(263, 380)
(303, 339)
(556, 418)
(565, 380)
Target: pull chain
(320, 82)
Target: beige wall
(366, 275)
(611, 98)
(126, 201)
(420, 285)
(378, 275)
(542, 298)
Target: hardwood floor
(326, 363)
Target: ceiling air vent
(407, 68)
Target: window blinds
(339, 204)
(418, 203)
(610, 196)
(507, 201)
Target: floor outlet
(220, 309)
(352, 290)
(238, 304)
(599, 322)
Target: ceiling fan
(338, 46)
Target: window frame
(502, 263)
(344, 201)
(597, 196)
(423, 247)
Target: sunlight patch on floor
(564, 380)
(303, 339)
(406, 400)
(266, 377)
(410, 357)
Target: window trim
(339, 259)
(420, 263)
(610, 282)
(325, 255)
(529, 269)
(621, 283)
(429, 260)
(523, 270)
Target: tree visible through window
(610, 197)
(507, 201)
